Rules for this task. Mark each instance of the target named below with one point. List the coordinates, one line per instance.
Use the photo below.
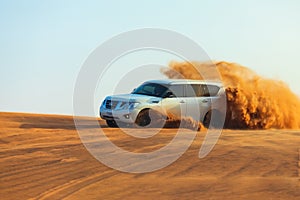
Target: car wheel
(207, 119)
(216, 122)
(150, 118)
(111, 123)
(143, 118)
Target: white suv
(177, 97)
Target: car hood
(133, 98)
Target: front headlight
(103, 102)
(133, 105)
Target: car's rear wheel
(207, 119)
(111, 123)
(216, 122)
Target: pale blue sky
(44, 43)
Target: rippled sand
(42, 157)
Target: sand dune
(42, 157)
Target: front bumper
(127, 116)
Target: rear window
(201, 90)
(210, 90)
(193, 90)
(177, 90)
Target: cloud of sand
(169, 120)
(253, 102)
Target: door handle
(181, 101)
(205, 100)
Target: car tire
(207, 119)
(111, 123)
(143, 119)
(216, 123)
(150, 118)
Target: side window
(177, 90)
(193, 90)
(209, 90)
(149, 89)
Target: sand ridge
(42, 157)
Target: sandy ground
(42, 157)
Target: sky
(45, 43)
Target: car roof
(185, 81)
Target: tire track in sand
(62, 191)
(299, 166)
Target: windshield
(151, 89)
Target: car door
(174, 103)
(198, 103)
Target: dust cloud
(253, 102)
(169, 120)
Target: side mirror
(133, 90)
(169, 95)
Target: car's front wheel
(143, 118)
(111, 123)
(150, 118)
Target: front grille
(111, 104)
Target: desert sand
(42, 157)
